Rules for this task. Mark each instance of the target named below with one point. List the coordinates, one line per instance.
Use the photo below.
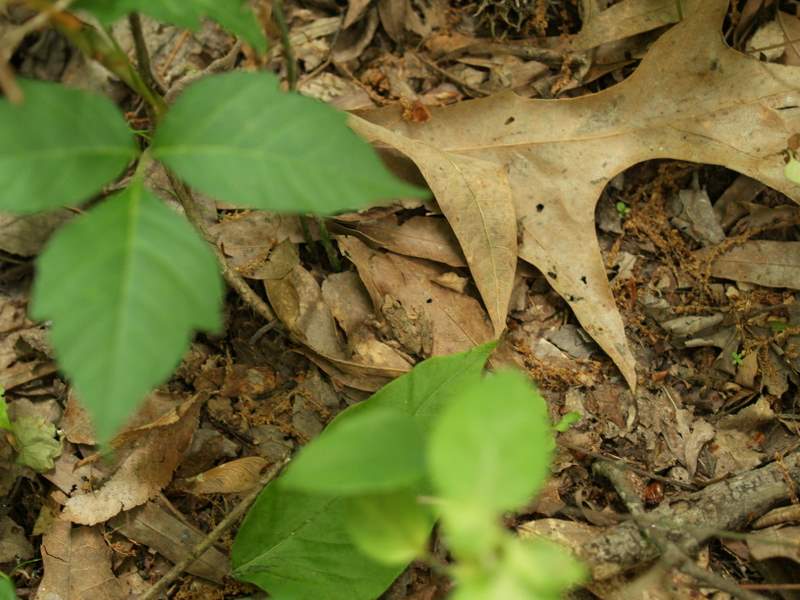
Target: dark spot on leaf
(429, 300)
(510, 120)
(539, 207)
(583, 279)
(552, 275)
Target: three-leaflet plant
(126, 284)
(358, 503)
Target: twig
(13, 39)
(234, 279)
(142, 54)
(325, 239)
(288, 51)
(230, 519)
(444, 72)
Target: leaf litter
(698, 263)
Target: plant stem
(230, 519)
(325, 240)
(288, 52)
(234, 279)
(142, 54)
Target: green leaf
(374, 451)
(392, 528)
(492, 448)
(36, 443)
(5, 422)
(567, 421)
(546, 568)
(7, 591)
(61, 146)
(296, 546)
(792, 170)
(238, 138)
(234, 15)
(125, 285)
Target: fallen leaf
(77, 565)
(420, 237)
(154, 527)
(14, 544)
(146, 457)
(418, 312)
(622, 20)
(775, 542)
(26, 235)
(552, 159)
(763, 262)
(232, 477)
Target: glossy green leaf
(240, 139)
(234, 15)
(125, 285)
(391, 528)
(492, 447)
(374, 451)
(59, 147)
(296, 546)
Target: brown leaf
(25, 235)
(14, 544)
(232, 477)
(767, 263)
(624, 19)
(423, 316)
(420, 237)
(475, 196)
(146, 457)
(154, 527)
(355, 10)
(552, 159)
(77, 565)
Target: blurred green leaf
(391, 528)
(125, 284)
(61, 146)
(36, 443)
(492, 447)
(238, 138)
(5, 422)
(379, 450)
(234, 15)
(7, 591)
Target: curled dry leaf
(146, 456)
(232, 477)
(552, 159)
(77, 565)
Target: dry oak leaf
(147, 456)
(692, 98)
(77, 565)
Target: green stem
(325, 240)
(288, 52)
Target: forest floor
(654, 290)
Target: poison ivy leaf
(390, 528)
(491, 449)
(59, 147)
(125, 284)
(238, 138)
(36, 443)
(234, 15)
(296, 545)
(374, 451)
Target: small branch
(230, 519)
(327, 244)
(234, 279)
(288, 52)
(142, 54)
